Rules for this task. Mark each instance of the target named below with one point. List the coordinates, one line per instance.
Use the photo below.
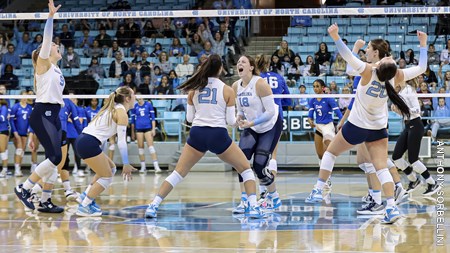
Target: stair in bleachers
(262, 45)
(209, 163)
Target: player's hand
(339, 126)
(126, 172)
(245, 124)
(52, 9)
(359, 44)
(333, 30)
(31, 145)
(422, 38)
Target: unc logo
(48, 113)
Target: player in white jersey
(368, 118)
(409, 140)
(211, 107)
(44, 119)
(112, 119)
(258, 115)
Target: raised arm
(410, 73)
(358, 45)
(44, 53)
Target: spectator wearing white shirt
(185, 69)
(445, 54)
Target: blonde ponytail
(118, 97)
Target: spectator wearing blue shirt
(443, 112)
(84, 41)
(176, 49)
(23, 43)
(11, 57)
(74, 128)
(137, 47)
(8, 79)
(35, 44)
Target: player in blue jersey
(73, 131)
(19, 119)
(143, 121)
(4, 134)
(278, 85)
(91, 111)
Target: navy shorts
(143, 130)
(214, 139)
(87, 146)
(356, 135)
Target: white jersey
(370, 107)
(210, 106)
(100, 129)
(50, 86)
(253, 107)
(411, 102)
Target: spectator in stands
(132, 30)
(23, 42)
(71, 59)
(427, 102)
(339, 66)
(83, 25)
(95, 69)
(433, 56)
(145, 64)
(310, 68)
(118, 67)
(196, 44)
(174, 81)
(61, 47)
(436, 99)
(94, 51)
(207, 50)
(84, 41)
(442, 110)
(164, 63)
(176, 49)
(11, 57)
(301, 104)
(276, 66)
(218, 47)
(156, 76)
(103, 38)
(202, 60)
(191, 27)
(219, 4)
(322, 56)
(9, 80)
(429, 76)
(115, 48)
(179, 24)
(445, 79)
(443, 21)
(185, 69)
(66, 36)
(122, 37)
(242, 4)
(362, 55)
(203, 32)
(119, 5)
(333, 88)
(284, 53)
(344, 102)
(3, 44)
(149, 31)
(164, 88)
(433, 87)
(402, 63)
(35, 44)
(294, 72)
(167, 29)
(391, 52)
(409, 57)
(445, 54)
(146, 88)
(128, 81)
(137, 47)
(157, 51)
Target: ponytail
(397, 100)
(262, 63)
(210, 68)
(116, 97)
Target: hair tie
(115, 93)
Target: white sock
(430, 180)
(28, 184)
(36, 188)
(320, 184)
(262, 188)
(17, 166)
(142, 164)
(320, 162)
(377, 197)
(370, 191)
(66, 185)
(87, 201)
(88, 188)
(46, 195)
(252, 200)
(390, 202)
(157, 200)
(5, 169)
(155, 163)
(399, 185)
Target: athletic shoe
(143, 170)
(262, 197)
(399, 194)
(158, 169)
(271, 203)
(81, 197)
(371, 209)
(151, 211)
(327, 186)
(49, 207)
(88, 211)
(315, 196)
(255, 212)
(240, 209)
(367, 199)
(71, 195)
(24, 197)
(3, 173)
(412, 186)
(18, 173)
(432, 189)
(35, 198)
(392, 215)
(81, 173)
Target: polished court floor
(196, 217)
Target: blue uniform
(73, 130)
(355, 86)
(324, 110)
(143, 116)
(90, 114)
(19, 119)
(278, 86)
(69, 110)
(4, 121)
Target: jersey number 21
(207, 96)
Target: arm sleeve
(351, 60)
(231, 115)
(122, 143)
(152, 112)
(190, 113)
(12, 118)
(349, 70)
(311, 109)
(335, 108)
(269, 107)
(47, 40)
(415, 71)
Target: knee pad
(45, 169)
(384, 176)
(260, 160)
(112, 147)
(19, 152)
(114, 170)
(4, 155)
(105, 182)
(141, 151)
(51, 178)
(267, 177)
(401, 163)
(174, 178)
(418, 167)
(328, 160)
(362, 166)
(151, 149)
(370, 169)
(247, 175)
(390, 164)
